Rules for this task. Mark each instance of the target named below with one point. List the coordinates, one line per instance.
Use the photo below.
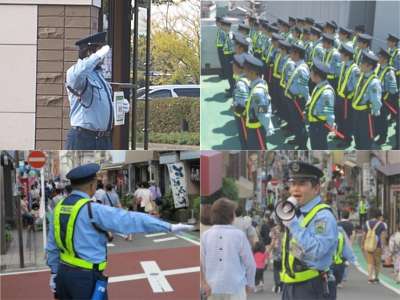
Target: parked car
(170, 91)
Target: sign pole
(43, 208)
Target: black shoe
(381, 141)
(344, 144)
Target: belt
(95, 267)
(92, 132)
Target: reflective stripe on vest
(218, 40)
(290, 276)
(338, 257)
(394, 54)
(291, 81)
(227, 47)
(276, 66)
(282, 82)
(66, 246)
(359, 93)
(270, 49)
(358, 55)
(249, 123)
(247, 83)
(311, 105)
(362, 208)
(382, 77)
(342, 83)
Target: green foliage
(229, 188)
(166, 118)
(126, 200)
(196, 207)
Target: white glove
(181, 227)
(102, 52)
(52, 282)
(126, 106)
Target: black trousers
(338, 271)
(308, 290)
(256, 139)
(228, 72)
(381, 121)
(221, 60)
(297, 122)
(241, 127)
(363, 129)
(318, 136)
(274, 92)
(74, 283)
(343, 117)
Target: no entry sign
(37, 159)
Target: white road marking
(25, 272)
(156, 278)
(165, 239)
(155, 234)
(381, 281)
(110, 245)
(189, 240)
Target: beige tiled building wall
(37, 46)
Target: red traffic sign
(36, 159)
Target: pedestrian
(362, 209)
(90, 97)
(219, 43)
(227, 263)
(77, 243)
(394, 248)
(275, 250)
(373, 240)
(99, 191)
(310, 239)
(110, 197)
(155, 191)
(261, 258)
(142, 198)
(244, 223)
(57, 196)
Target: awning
(389, 170)
(111, 167)
(350, 164)
(245, 188)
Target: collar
(255, 81)
(80, 193)
(369, 73)
(308, 206)
(299, 62)
(323, 82)
(349, 62)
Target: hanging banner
(178, 184)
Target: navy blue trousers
(74, 283)
(81, 140)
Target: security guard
(240, 95)
(268, 52)
(219, 43)
(363, 45)
(347, 80)
(358, 29)
(308, 23)
(90, 98)
(252, 28)
(363, 207)
(275, 67)
(345, 36)
(297, 91)
(261, 39)
(284, 30)
(331, 58)
(394, 50)
(77, 241)
(307, 42)
(310, 238)
(244, 30)
(316, 51)
(387, 77)
(258, 106)
(366, 102)
(228, 55)
(241, 44)
(330, 28)
(297, 37)
(319, 109)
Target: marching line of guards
(305, 72)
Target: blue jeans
(81, 140)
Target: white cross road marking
(157, 280)
(189, 240)
(165, 239)
(155, 234)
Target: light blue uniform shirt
(354, 76)
(241, 92)
(318, 247)
(372, 95)
(389, 81)
(94, 110)
(226, 258)
(299, 86)
(289, 69)
(89, 244)
(325, 103)
(316, 51)
(347, 253)
(334, 61)
(396, 59)
(260, 105)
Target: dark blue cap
(363, 37)
(283, 22)
(360, 28)
(291, 19)
(83, 173)
(369, 57)
(277, 36)
(328, 37)
(239, 59)
(241, 39)
(384, 53)
(310, 21)
(299, 49)
(320, 66)
(331, 24)
(306, 31)
(302, 170)
(218, 18)
(346, 48)
(300, 19)
(297, 29)
(345, 30)
(393, 38)
(320, 26)
(98, 38)
(284, 44)
(243, 26)
(315, 30)
(253, 62)
(273, 29)
(226, 21)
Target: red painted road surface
(34, 286)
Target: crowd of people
(241, 242)
(314, 78)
